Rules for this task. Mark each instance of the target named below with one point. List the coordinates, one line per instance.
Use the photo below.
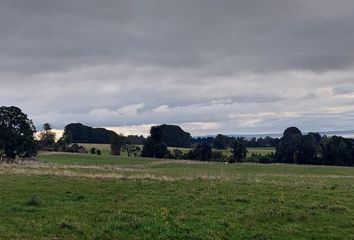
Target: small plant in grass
(35, 201)
(65, 225)
(80, 197)
(98, 152)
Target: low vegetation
(83, 196)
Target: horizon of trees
(17, 140)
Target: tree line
(17, 140)
(292, 148)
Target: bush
(35, 201)
(265, 159)
(200, 152)
(177, 154)
(98, 152)
(93, 150)
(218, 156)
(75, 148)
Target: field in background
(75, 196)
(105, 148)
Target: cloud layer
(226, 66)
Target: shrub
(218, 156)
(35, 201)
(93, 150)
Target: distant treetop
(79, 133)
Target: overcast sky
(226, 66)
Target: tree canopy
(223, 142)
(174, 136)
(154, 147)
(79, 133)
(46, 138)
(239, 152)
(16, 133)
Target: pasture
(74, 196)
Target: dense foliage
(46, 140)
(313, 149)
(16, 134)
(223, 142)
(79, 133)
(136, 140)
(154, 146)
(116, 144)
(239, 152)
(174, 136)
(201, 152)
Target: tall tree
(172, 136)
(79, 133)
(337, 151)
(201, 151)
(154, 147)
(46, 137)
(116, 144)
(222, 141)
(310, 149)
(289, 149)
(16, 133)
(239, 152)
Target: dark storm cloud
(43, 35)
(229, 65)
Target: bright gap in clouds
(234, 104)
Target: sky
(226, 66)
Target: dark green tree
(217, 156)
(337, 151)
(116, 144)
(79, 133)
(154, 149)
(16, 133)
(131, 150)
(221, 141)
(93, 150)
(153, 146)
(201, 151)
(289, 149)
(62, 144)
(98, 152)
(239, 152)
(172, 136)
(310, 149)
(46, 138)
(177, 154)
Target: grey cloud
(52, 35)
(228, 66)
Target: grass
(105, 148)
(261, 150)
(73, 196)
(88, 159)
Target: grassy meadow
(75, 196)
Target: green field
(74, 196)
(105, 148)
